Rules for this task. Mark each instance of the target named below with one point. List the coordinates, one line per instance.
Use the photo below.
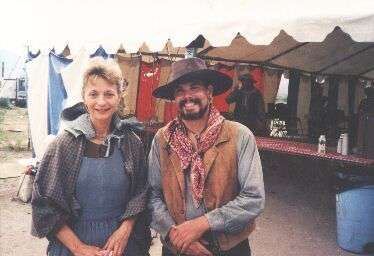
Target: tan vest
(221, 184)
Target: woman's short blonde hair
(105, 69)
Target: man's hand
(117, 242)
(183, 235)
(105, 253)
(197, 249)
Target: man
(205, 175)
(250, 106)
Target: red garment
(258, 76)
(181, 144)
(219, 101)
(148, 81)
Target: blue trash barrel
(355, 214)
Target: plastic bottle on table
(322, 144)
(345, 144)
(339, 146)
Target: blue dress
(102, 191)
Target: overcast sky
(53, 23)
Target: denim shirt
(229, 218)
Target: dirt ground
(299, 218)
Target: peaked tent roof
(280, 45)
(201, 44)
(169, 49)
(121, 49)
(65, 52)
(315, 57)
(144, 48)
(236, 51)
(337, 54)
(100, 52)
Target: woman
(89, 195)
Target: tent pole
(205, 51)
(137, 89)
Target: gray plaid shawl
(53, 200)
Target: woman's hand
(68, 238)
(86, 250)
(117, 242)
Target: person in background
(249, 105)
(205, 174)
(365, 108)
(90, 191)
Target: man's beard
(192, 116)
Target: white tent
(131, 22)
(8, 88)
(37, 102)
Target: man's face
(192, 99)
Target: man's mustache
(193, 100)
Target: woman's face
(101, 99)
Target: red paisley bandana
(179, 142)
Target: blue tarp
(56, 91)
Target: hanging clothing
(258, 75)
(271, 84)
(149, 80)
(303, 104)
(219, 101)
(130, 70)
(72, 77)
(164, 78)
(56, 91)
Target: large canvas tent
(338, 55)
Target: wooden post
(292, 102)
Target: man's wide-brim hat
(192, 69)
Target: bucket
(355, 218)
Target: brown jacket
(221, 185)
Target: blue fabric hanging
(56, 91)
